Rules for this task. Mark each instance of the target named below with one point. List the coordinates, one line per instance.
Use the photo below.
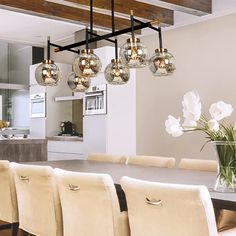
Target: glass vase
(226, 176)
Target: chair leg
(14, 229)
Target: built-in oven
(38, 105)
(95, 100)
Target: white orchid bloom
(220, 110)
(213, 125)
(192, 106)
(189, 124)
(173, 126)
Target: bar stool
(8, 202)
(38, 200)
(90, 205)
(104, 157)
(169, 209)
(156, 161)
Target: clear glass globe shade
(134, 54)
(162, 63)
(87, 64)
(116, 73)
(77, 83)
(47, 73)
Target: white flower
(189, 124)
(213, 125)
(220, 110)
(173, 126)
(191, 106)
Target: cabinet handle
(153, 202)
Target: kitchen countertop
(65, 138)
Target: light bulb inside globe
(47, 73)
(87, 64)
(133, 53)
(116, 72)
(78, 83)
(162, 63)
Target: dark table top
(165, 175)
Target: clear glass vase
(226, 177)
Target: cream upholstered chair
(157, 161)
(104, 157)
(198, 164)
(8, 201)
(90, 205)
(38, 200)
(225, 219)
(169, 209)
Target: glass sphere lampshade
(87, 64)
(116, 72)
(133, 53)
(162, 63)
(47, 73)
(78, 83)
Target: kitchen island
(23, 150)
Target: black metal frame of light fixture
(93, 37)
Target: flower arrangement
(217, 130)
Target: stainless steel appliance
(95, 100)
(38, 105)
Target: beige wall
(206, 61)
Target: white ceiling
(33, 30)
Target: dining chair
(169, 209)
(38, 200)
(225, 219)
(90, 205)
(198, 164)
(8, 201)
(104, 157)
(157, 161)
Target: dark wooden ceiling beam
(61, 12)
(194, 7)
(142, 10)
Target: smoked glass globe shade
(77, 83)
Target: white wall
(205, 55)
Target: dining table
(157, 174)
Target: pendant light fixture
(77, 83)
(47, 73)
(116, 72)
(87, 64)
(133, 53)
(162, 63)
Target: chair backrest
(168, 209)
(89, 203)
(38, 200)
(157, 161)
(8, 201)
(198, 164)
(104, 157)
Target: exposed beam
(195, 7)
(142, 10)
(61, 12)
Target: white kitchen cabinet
(65, 150)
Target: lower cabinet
(65, 150)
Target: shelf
(69, 98)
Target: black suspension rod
(160, 39)
(112, 15)
(132, 23)
(48, 48)
(91, 16)
(116, 49)
(86, 38)
(109, 35)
